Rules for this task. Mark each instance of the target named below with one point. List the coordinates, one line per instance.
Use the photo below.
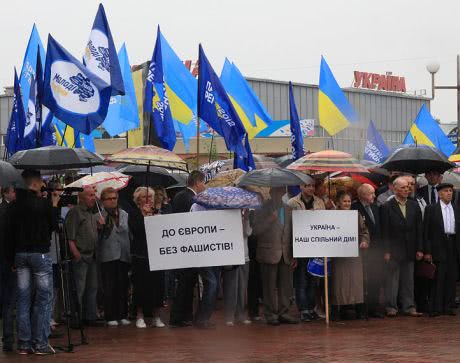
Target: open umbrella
(155, 175)
(103, 180)
(228, 198)
(149, 155)
(225, 178)
(328, 161)
(417, 159)
(10, 176)
(55, 158)
(274, 177)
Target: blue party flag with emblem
(123, 114)
(216, 109)
(101, 55)
(334, 111)
(244, 163)
(47, 130)
(15, 132)
(249, 108)
(28, 71)
(296, 130)
(426, 131)
(72, 93)
(375, 150)
(157, 101)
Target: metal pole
(198, 117)
(432, 86)
(458, 99)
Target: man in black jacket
(182, 307)
(31, 219)
(402, 235)
(373, 261)
(442, 221)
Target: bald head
(366, 193)
(87, 197)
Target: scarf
(112, 218)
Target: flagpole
(210, 149)
(63, 135)
(198, 117)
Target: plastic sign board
(198, 239)
(325, 233)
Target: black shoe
(306, 317)
(205, 325)
(49, 350)
(449, 312)
(434, 314)
(7, 347)
(286, 319)
(180, 324)
(274, 322)
(25, 351)
(315, 316)
(376, 314)
(94, 323)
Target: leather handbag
(426, 270)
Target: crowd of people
(407, 262)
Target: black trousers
(182, 306)
(148, 286)
(115, 284)
(443, 292)
(374, 265)
(254, 288)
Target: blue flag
(156, 99)
(123, 114)
(47, 130)
(71, 92)
(28, 70)
(375, 150)
(296, 131)
(216, 109)
(101, 55)
(244, 163)
(15, 132)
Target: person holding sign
(347, 272)
(272, 226)
(304, 283)
(441, 247)
(402, 235)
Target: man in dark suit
(373, 261)
(442, 244)
(429, 192)
(182, 307)
(402, 235)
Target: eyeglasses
(113, 198)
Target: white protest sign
(198, 239)
(325, 233)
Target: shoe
(255, 318)
(205, 325)
(306, 317)
(229, 323)
(94, 323)
(316, 316)
(140, 323)
(392, 314)
(286, 319)
(245, 322)
(376, 314)
(413, 313)
(180, 324)
(157, 323)
(124, 322)
(25, 351)
(49, 350)
(112, 323)
(449, 312)
(7, 347)
(434, 314)
(274, 322)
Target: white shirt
(448, 217)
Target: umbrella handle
(99, 209)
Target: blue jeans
(35, 283)
(8, 291)
(210, 277)
(305, 287)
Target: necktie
(433, 196)
(369, 212)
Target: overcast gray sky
(274, 39)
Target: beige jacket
(296, 203)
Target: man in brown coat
(272, 225)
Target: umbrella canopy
(55, 158)
(96, 169)
(328, 161)
(103, 180)
(154, 176)
(284, 161)
(274, 177)
(417, 159)
(225, 178)
(10, 176)
(228, 198)
(149, 155)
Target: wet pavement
(401, 339)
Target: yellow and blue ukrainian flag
(426, 131)
(334, 111)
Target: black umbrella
(55, 158)
(274, 177)
(284, 160)
(10, 176)
(417, 160)
(155, 175)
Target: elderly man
(305, 283)
(373, 264)
(402, 235)
(82, 232)
(441, 247)
(272, 225)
